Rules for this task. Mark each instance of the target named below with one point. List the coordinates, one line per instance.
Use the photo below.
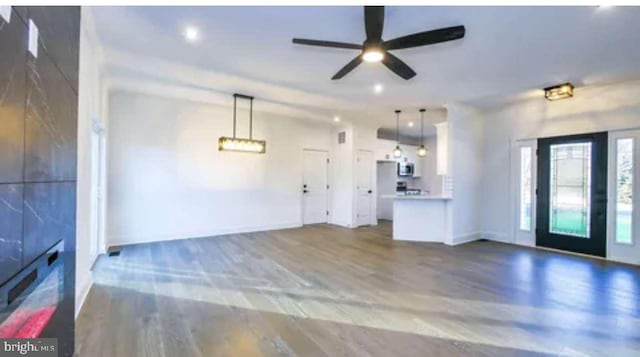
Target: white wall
(465, 156)
(89, 109)
(592, 109)
(168, 180)
(342, 177)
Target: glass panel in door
(570, 189)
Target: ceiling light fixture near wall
(410, 124)
(336, 119)
(562, 91)
(422, 150)
(191, 33)
(242, 144)
(377, 89)
(397, 152)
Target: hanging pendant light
(422, 150)
(397, 152)
(234, 143)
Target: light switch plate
(5, 13)
(33, 38)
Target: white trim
(465, 238)
(138, 239)
(83, 296)
(497, 237)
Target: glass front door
(572, 191)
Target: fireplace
(29, 301)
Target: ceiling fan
(375, 49)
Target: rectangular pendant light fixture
(234, 143)
(562, 91)
(247, 145)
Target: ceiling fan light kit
(234, 143)
(374, 49)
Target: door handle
(369, 192)
(304, 191)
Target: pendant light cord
(234, 115)
(422, 126)
(398, 127)
(251, 119)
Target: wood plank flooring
(329, 291)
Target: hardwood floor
(329, 291)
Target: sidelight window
(624, 191)
(525, 188)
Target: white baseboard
(495, 236)
(465, 238)
(129, 240)
(82, 297)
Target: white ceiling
(507, 51)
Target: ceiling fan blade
(374, 21)
(302, 41)
(397, 66)
(348, 68)
(425, 38)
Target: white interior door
(386, 185)
(523, 177)
(364, 173)
(315, 187)
(623, 235)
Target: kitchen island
(421, 218)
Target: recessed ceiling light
(191, 33)
(378, 88)
(411, 124)
(336, 119)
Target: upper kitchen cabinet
(50, 123)
(59, 29)
(13, 49)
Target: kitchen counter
(420, 218)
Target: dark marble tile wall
(38, 136)
(50, 124)
(59, 28)
(10, 230)
(12, 98)
(49, 216)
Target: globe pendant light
(397, 152)
(422, 150)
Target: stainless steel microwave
(405, 169)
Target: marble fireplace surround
(38, 139)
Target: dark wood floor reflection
(329, 291)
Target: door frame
(302, 180)
(599, 177)
(97, 191)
